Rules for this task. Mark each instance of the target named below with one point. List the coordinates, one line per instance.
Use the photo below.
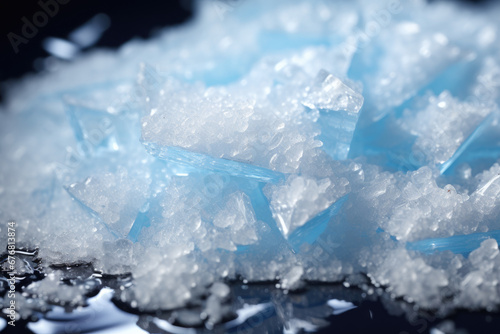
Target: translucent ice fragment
(480, 150)
(376, 143)
(331, 94)
(208, 163)
(309, 232)
(339, 107)
(89, 33)
(115, 198)
(486, 198)
(302, 199)
(458, 244)
(489, 183)
(92, 128)
(105, 118)
(142, 220)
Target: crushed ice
(303, 141)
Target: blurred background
(73, 26)
(69, 27)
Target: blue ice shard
(208, 163)
(339, 106)
(303, 206)
(311, 231)
(141, 221)
(458, 244)
(93, 128)
(103, 120)
(480, 150)
(114, 198)
(375, 142)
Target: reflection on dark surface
(251, 308)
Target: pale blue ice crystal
(459, 244)
(283, 140)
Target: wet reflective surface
(249, 308)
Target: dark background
(128, 18)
